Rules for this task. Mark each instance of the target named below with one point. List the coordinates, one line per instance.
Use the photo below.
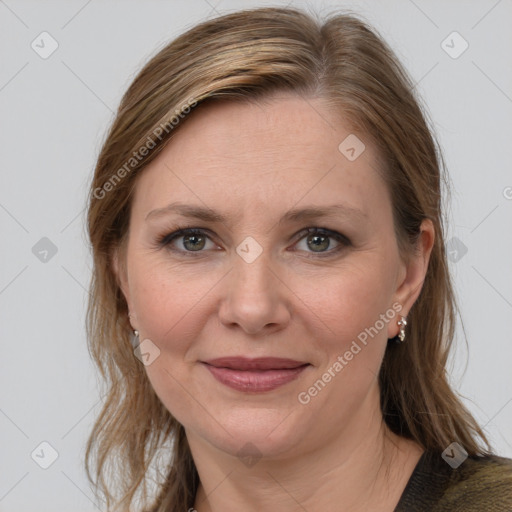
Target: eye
(194, 240)
(320, 238)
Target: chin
(256, 433)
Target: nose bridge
(251, 263)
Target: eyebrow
(294, 215)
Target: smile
(255, 375)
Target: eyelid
(324, 231)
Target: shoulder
(479, 483)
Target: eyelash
(165, 240)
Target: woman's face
(257, 284)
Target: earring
(135, 339)
(135, 336)
(402, 323)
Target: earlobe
(415, 270)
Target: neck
(363, 467)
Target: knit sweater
(479, 484)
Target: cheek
(169, 314)
(351, 299)
(355, 311)
(167, 300)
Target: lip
(258, 363)
(255, 375)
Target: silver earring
(135, 339)
(402, 323)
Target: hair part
(239, 57)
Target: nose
(255, 296)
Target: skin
(253, 162)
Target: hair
(239, 57)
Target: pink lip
(259, 363)
(255, 375)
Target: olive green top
(478, 484)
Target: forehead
(284, 128)
(279, 151)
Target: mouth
(255, 375)
(260, 363)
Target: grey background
(54, 115)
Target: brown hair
(236, 57)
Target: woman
(265, 218)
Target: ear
(118, 260)
(412, 273)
